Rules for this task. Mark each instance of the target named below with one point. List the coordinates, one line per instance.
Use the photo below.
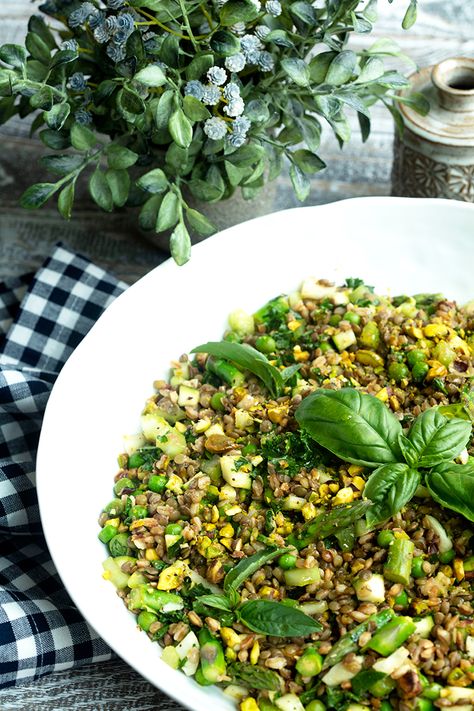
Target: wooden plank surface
(445, 28)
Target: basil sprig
(359, 428)
(276, 619)
(252, 360)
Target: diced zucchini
(314, 608)
(243, 419)
(236, 692)
(216, 428)
(289, 702)
(241, 322)
(340, 673)
(170, 656)
(167, 438)
(293, 503)
(187, 396)
(445, 543)
(133, 442)
(344, 339)
(185, 652)
(114, 573)
(170, 540)
(370, 590)
(424, 626)
(137, 579)
(392, 662)
(312, 289)
(240, 478)
(299, 577)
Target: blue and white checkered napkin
(43, 317)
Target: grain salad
(293, 522)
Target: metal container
(435, 155)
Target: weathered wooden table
(445, 28)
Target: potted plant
(162, 103)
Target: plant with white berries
(156, 100)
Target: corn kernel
(113, 522)
(293, 325)
(358, 482)
(437, 370)
(435, 330)
(355, 469)
(277, 414)
(151, 554)
(458, 566)
(226, 531)
(255, 652)
(343, 496)
(309, 511)
(382, 395)
(357, 567)
(249, 704)
(394, 403)
(299, 355)
(230, 655)
(230, 637)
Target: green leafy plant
(162, 101)
(360, 429)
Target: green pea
(432, 691)
(173, 529)
(315, 705)
(446, 557)
(216, 401)
(118, 545)
(424, 705)
(287, 561)
(335, 319)
(352, 317)
(417, 567)
(420, 371)
(146, 619)
(135, 460)
(265, 344)
(122, 484)
(325, 347)
(386, 706)
(250, 448)
(157, 483)
(397, 371)
(107, 533)
(415, 356)
(385, 538)
(114, 507)
(139, 512)
(402, 599)
(231, 337)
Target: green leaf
(409, 452)
(64, 56)
(417, 101)
(341, 68)
(43, 99)
(155, 181)
(237, 11)
(168, 214)
(7, 109)
(199, 65)
(257, 111)
(385, 46)
(164, 109)
(280, 38)
(180, 128)
(276, 619)
(290, 370)
(195, 109)
(390, 488)
(61, 165)
(246, 155)
(297, 70)
(393, 80)
(14, 55)
(301, 184)
(119, 184)
(169, 52)
(204, 191)
(129, 102)
(452, 486)
(409, 18)
(82, 138)
(234, 173)
(437, 439)
(319, 65)
(248, 566)
(149, 212)
(104, 91)
(373, 69)
(180, 244)
(152, 75)
(119, 157)
(200, 223)
(219, 602)
(354, 426)
(56, 117)
(57, 140)
(38, 27)
(308, 162)
(254, 677)
(361, 24)
(304, 12)
(248, 358)
(36, 195)
(224, 43)
(100, 191)
(66, 200)
(37, 48)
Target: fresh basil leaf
(354, 426)
(254, 677)
(288, 372)
(409, 451)
(438, 439)
(329, 523)
(248, 358)
(248, 566)
(457, 410)
(390, 487)
(276, 619)
(467, 399)
(220, 602)
(452, 486)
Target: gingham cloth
(43, 317)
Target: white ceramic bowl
(398, 245)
